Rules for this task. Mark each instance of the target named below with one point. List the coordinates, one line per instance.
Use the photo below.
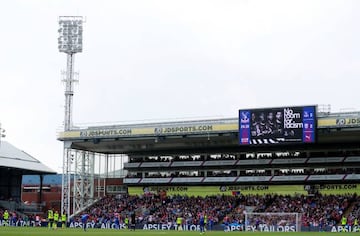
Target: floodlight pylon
(76, 164)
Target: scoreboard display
(285, 125)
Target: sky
(172, 59)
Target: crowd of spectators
(160, 209)
(355, 211)
(317, 210)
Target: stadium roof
(12, 157)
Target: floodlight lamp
(70, 38)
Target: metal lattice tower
(83, 180)
(78, 164)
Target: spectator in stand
(202, 223)
(133, 221)
(84, 220)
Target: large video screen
(277, 125)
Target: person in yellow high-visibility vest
(50, 218)
(205, 222)
(6, 217)
(126, 222)
(356, 225)
(343, 223)
(63, 221)
(179, 223)
(56, 219)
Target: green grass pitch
(30, 231)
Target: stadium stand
(317, 211)
(229, 168)
(14, 163)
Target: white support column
(75, 196)
(106, 172)
(92, 177)
(99, 176)
(66, 180)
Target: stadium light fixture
(70, 34)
